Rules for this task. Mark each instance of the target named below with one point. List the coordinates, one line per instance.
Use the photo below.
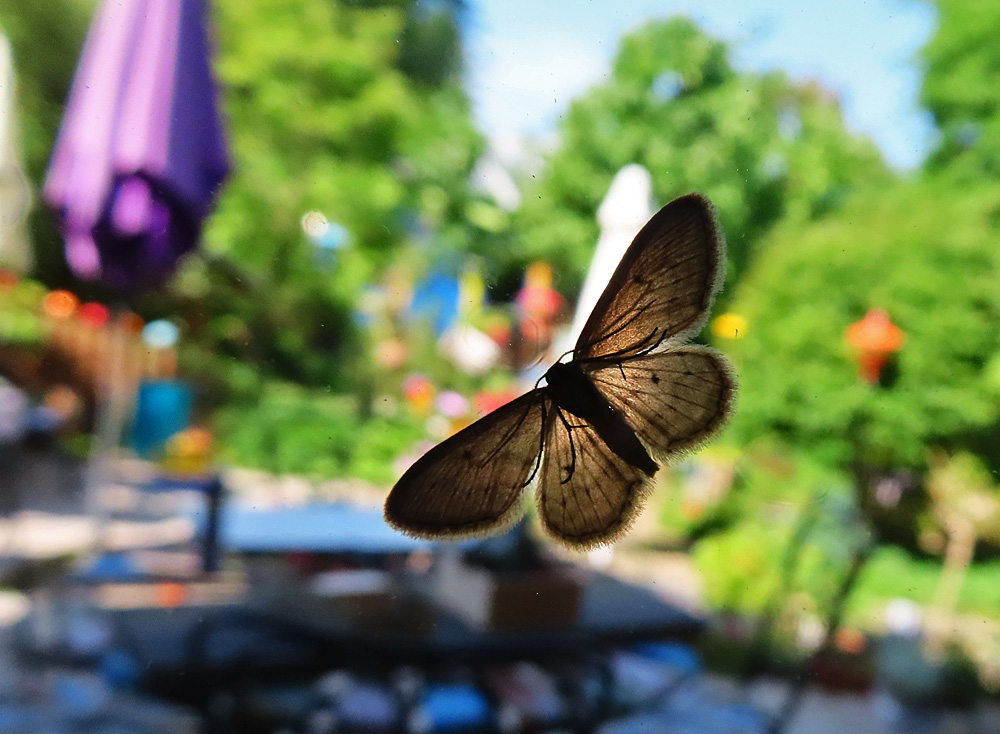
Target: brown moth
(632, 388)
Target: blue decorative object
(163, 408)
(109, 567)
(453, 707)
(160, 334)
(120, 670)
(681, 657)
(436, 299)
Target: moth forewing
(471, 483)
(663, 287)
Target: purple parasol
(141, 152)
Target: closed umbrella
(137, 165)
(141, 154)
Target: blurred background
(256, 258)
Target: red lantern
(876, 339)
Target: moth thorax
(572, 390)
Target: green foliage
(959, 86)
(754, 550)
(923, 250)
(20, 313)
(319, 113)
(767, 479)
(927, 256)
(289, 430)
(793, 528)
(966, 499)
(324, 115)
(893, 573)
(761, 147)
(380, 443)
(430, 46)
(42, 86)
(726, 561)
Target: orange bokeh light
(60, 304)
(171, 594)
(132, 322)
(419, 393)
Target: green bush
(893, 573)
(20, 314)
(292, 430)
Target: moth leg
(622, 370)
(572, 447)
(642, 347)
(639, 349)
(646, 350)
(620, 327)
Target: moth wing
(664, 285)
(587, 495)
(673, 400)
(470, 483)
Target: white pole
(626, 207)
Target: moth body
(573, 392)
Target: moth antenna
(536, 338)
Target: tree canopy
(929, 259)
(959, 86)
(331, 108)
(42, 86)
(760, 146)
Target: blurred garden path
(42, 517)
(823, 712)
